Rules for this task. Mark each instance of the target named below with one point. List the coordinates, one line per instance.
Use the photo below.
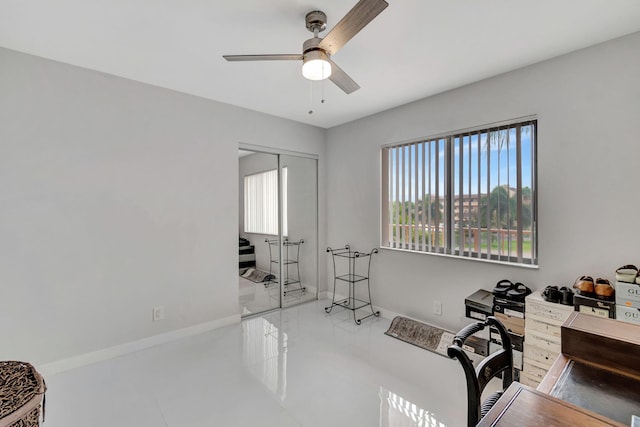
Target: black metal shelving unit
(352, 303)
(291, 252)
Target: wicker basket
(21, 395)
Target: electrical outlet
(158, 313)
(437, 308)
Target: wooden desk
(523, 406)
(594, 382)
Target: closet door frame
(279, 153)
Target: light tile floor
(257, 298)
(294, 367)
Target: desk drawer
(537, 324)
(552, 313)
(544, 356)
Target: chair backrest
(499, 362)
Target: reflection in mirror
(300, 211)
(258, 223)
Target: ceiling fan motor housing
(311, 44)
(316, 21)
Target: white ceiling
(413, 49)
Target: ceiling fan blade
(275, 57)
(342, 80)
(354, 21)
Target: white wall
(588, 107)
(117, 197)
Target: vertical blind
(261, 202)
(470, 194)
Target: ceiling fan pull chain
(310, 96)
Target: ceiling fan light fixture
(316, 65)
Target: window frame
(443, 240)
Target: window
(261, 202)
(470, 194)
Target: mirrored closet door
(300, 226)
(278, 231)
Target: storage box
(476, 348)
(545, 342)
(517, 374)
(505, 306)
(535, 325)
(595, 307)
(475, 358)
(535, 371)
(513, 324)
(477, 345)
(479, 305)
(628, 314)
(544, 357)
(628, 294)
(529, 379)
(517, 354)
(547, 312)
(517, 341)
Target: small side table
(352, 303)
(291, 258)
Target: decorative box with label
(628, 294)
(542, 330)
(628, 314)
(594, 306)
(479, 305)
(511, 314)
(628, 302)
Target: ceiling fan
(316, 52)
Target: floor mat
(258, 276)
(420, 334)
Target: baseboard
(388, 314)
(80, 360)
(324, 295)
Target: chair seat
(489, 402)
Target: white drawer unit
(542, 336)
(549, 312)
(538, 325)
(543, 358)
(545, 342)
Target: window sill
(489, 261)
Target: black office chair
(500, 362)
